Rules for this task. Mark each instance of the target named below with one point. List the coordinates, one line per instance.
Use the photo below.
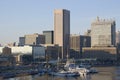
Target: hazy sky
(20, 17)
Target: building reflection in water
(107, 73)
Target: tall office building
(62, 30)
(34, 39)
(103, 33)
(49, 35)
(118, 37)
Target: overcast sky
(20, 17)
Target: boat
(93, 70)
(64, 73)
(75, 68)
(70, 69)
(85, 65)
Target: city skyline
(18, 18)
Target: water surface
(105, 73)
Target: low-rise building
(32, 52)
(52, 51)
(77, 42)
(102, 53)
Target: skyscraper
(103, 33)
(48, 37)
(62, 30)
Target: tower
(62, 30)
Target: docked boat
(93, 70)
(76, 68)
(85, 65)
(65, 73)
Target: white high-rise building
(103, 33)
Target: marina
(105, 73)
(59, 40)
(70, 69)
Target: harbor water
(104, 73)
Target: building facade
(77, 42)
(23, 54)
(62, 30)
(49, 36)
(52, 51)
(103, 33)
(34, 39)
(103, 41)
(35, 51)
(101, 53)
(6, 50)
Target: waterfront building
(100, 53)
(35, 51)
(31, 52)
(103, 33)
(49, 36)
(6, 58)
(103, 40)
(21, 41)
(52, 51)
(34, 39)
(62, 30)
(77, 42)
